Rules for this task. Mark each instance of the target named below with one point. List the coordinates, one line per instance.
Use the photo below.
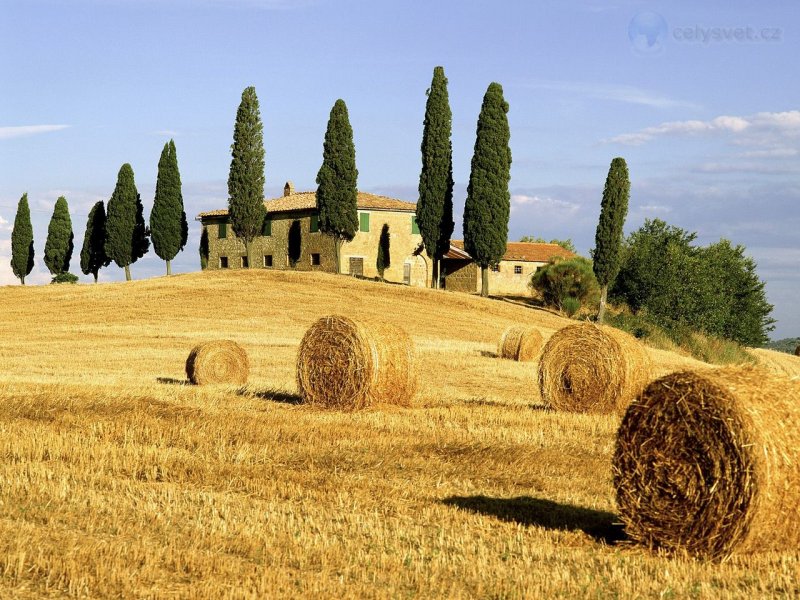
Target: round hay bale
(520, 343)
(797, 351)
(708, 462)
(220, 361)
(347, 364)
(591, 368)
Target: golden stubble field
(117, 480)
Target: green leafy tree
(435, 204)
(337, 192)
(563, 282)
(22, 241)
(126, 233)
(676, 284)
(488, 203)
(384, 260)
(59, 245)
(246, 176)
(204, 250)
(93, 253)
(608, 238)
(567, 244)
(168, 227)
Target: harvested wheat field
(118, 480)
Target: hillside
(118, 480)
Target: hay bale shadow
(602, 526)
(173, 381)
(488, 354)
(273, 395)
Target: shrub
(570, 305)
(561, 281)
(65, 278)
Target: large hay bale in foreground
(218, 361)
(349, 364)
(520, 343)
(591, 368)
(709, 462)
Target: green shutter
(314, 224)
(266, 228)
(223, 231)
(363, 221)
(414, 226)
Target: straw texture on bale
(708, 462)
(593, 369)
(348, 364)
(218, 361)
(520, 343)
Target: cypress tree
(93, 253)
(168, 225)
(22, 241)
(126, 234)
(337, 194)
(384, 260)
(59, 245)
(246, 177)
(608, 239)
(435, 204)
(204, 250)
(488, 204)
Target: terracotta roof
(308, 201)
(526, 251)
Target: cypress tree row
(384, 260)
(246, 176)
(93, 253)
(607, 255)
(435, 204)
(488, 204)
(168, 227)
(126, 234)
(59, 245)
(22, 241)
(337, 194)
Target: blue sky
(700, 98)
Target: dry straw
(591, 368)
(219, 361)
(520, 343)
(780, 363)
(347, 364)
(708, 462)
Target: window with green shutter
(363, 222)
(266, 228)
(414, 226)
(223, 231)
(314, 224)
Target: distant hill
(785, 345)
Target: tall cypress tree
(59, 245)
(126, 234)
(384, 259)
(168, 227)
(246, 177)
(22, 241)
(607, 255)
(435, 204)
(337, 193)
(93, 253)
(488, 204)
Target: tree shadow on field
(173, 381)
(600, 525)
(272, 395)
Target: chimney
(288, 189)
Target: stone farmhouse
(291, 240)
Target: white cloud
(544, 204)
(615, 93)
(7, 133)
(762, 129)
